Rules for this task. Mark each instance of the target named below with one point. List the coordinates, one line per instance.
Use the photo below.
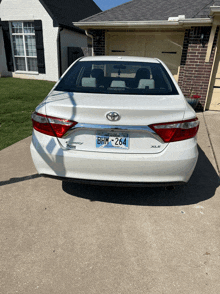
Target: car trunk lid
(94, 132)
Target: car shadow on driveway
(19, 179)
(201, 186)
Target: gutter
(75, 29)
(145, 24)
(214, 10)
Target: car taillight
(51, 126)
(176, 131)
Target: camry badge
(113, 116)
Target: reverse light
(177, 131)
(50, 125)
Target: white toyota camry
(116, 119)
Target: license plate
(112, 141)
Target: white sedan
(116, 119)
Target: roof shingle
(65, 12)
(144, 10)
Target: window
(118, 77)
(24, 46)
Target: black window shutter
(7, 43)
(39, 46)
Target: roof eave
(215, 14)
(214, 11)
(143, 24)
(73, 28)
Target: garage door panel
(218, 71)
(125, 44)
(165, 46)
(168, 48)
(217, 83)
(215, 104)
(127, 53)
(214, 98)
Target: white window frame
(23, 34)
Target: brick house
(183, 35)
(38, 39)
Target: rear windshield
(119, 77)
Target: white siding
(3, 65)
(70, 39)
(29, 10)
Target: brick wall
(194, 71)
(98, 41)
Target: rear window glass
(119, 77)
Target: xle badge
(155, 146)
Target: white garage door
(166, 46)
(215, 97)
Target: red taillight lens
(177, 131)
(51, 126)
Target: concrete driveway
(60, 237)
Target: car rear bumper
(114, 183)
(174, 164)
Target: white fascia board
(196, 21)
(143, 24)
(214, 10)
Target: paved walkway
(212, 124)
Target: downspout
(59, 51)
(90, 36)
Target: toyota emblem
(113, 116)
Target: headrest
(143, 83)
(97, 73)
(89, 82)
(142, 73)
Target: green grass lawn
(18, 99)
